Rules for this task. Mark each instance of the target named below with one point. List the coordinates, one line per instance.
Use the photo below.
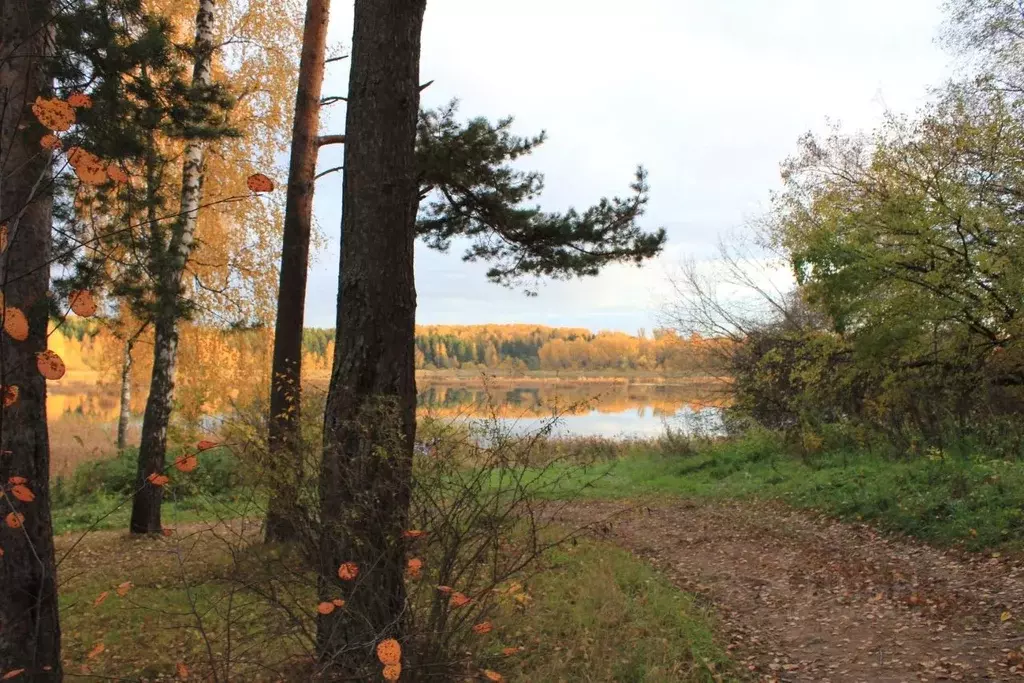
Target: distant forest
(536, 347)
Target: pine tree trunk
(153, 446)
(126, 397)
(29, 624)
(286, 374)
(370, 419)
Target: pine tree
(29, 623)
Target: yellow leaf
(1005, 616)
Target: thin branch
(335, 59)
(318, 176)
(330, 140)
(426, 85)
(332, 99)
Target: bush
(219, 473)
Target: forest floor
(802, 598)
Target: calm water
(577, 409)
(589, 409)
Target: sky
(710, 96)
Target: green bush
(218, 473)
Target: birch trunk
(370, 420)
(125, 414)
(286, 460)
(29, 624)
(153, 446)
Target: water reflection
(585, 408)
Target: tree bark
(125, 414)
(285, 462)
(370, 420)
(146, 505)
(29, 624)
(153, 445)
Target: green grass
(975, 502)
(101, 511)
(599, 614)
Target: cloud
(710, 96)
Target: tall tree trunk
(125, 414)
(29, 624)
(286, 374)
(153, 446)
(370, 420)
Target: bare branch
(330, 170)
(330, 140)
(331, 100)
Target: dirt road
(802, 598)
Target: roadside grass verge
(595, 614)
(973, 502)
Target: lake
(83, 420)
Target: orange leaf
(445, 589)
(338, 602)
(413, 533)
(167, 532)
(187, 463)
(205, 445)
(391, 672)
(182, 670)
(1, 552)
(459, 600)
(13, 673)
(23, 493)
(348, 571)
(17, 480)
(50, 141)
(50, 365)
(389, 651)
(96, 651)
(122, 589)
(117, 174)
(80, 100)
(325, 607)
(509, 651)
(4, 237)
(82, 303)
(493, 676)
(483, 627)
(100, 598)
(54, 114)
(10, 393)
(157, 479)
(14, 520)
(258, 182)
(89, 168)
(414, 567)
(15, 324)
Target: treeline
(904, 332)
(535, 347)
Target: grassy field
(186, 603)
(972, 502)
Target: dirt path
(806, 599)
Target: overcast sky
(709, 95)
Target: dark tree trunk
(125, 414)
(29, 625)
(285, 460)
(153, 445)
(370, 419)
